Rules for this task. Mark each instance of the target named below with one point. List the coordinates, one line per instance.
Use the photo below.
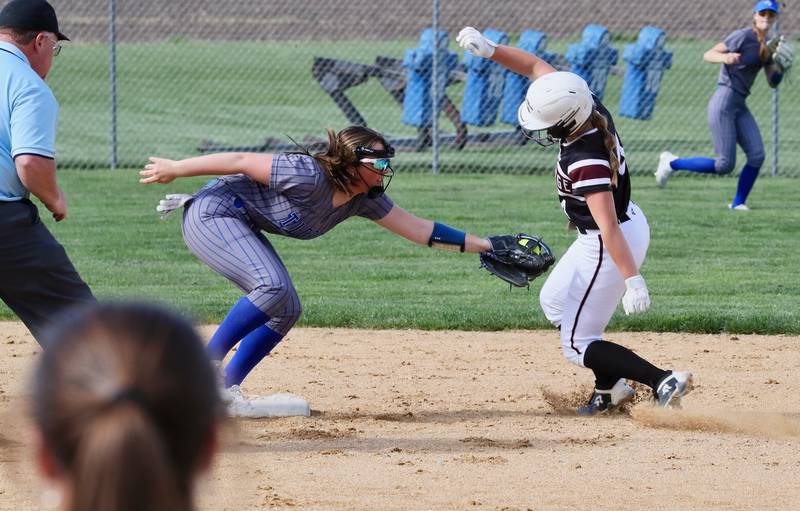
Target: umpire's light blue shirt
(28, 118)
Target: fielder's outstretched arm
(257, 166)
(433, 234)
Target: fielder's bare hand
(732, 58)
(159, 170)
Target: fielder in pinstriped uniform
(602, 265)
(742, 55)
(296, 195)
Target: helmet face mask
(555, 107)
(549, 136)
(541, 137)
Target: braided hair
(600, 122)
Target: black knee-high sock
(603, 381)
(611, 362)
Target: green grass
(709, 269)
(175, 94)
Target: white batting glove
(636, 298)
(171, 202)
(476, 43)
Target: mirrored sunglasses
(380, 164)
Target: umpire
(37, 279)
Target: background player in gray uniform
(742, 55)
(296, 195)
(602, 265)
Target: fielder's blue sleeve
(34, 121)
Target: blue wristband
(447, 238)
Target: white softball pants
(585, 287)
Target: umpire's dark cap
(31, 15)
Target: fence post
(112, 39)
(775, 120)
(435, 91)
(775, 131)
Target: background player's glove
(517, 259)
(782, 53)
(171, 202)
(474, 42)
(636, 298)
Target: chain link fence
(184, 77)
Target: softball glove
(782, 53)
(517, 259)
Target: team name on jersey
(583, 167)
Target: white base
(274, 405)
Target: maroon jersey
(583, 167)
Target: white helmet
(558, 103)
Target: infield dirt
(485, 421)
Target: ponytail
(126, 401)
(335, 161)
(610, 141)
(121, 463)
(763, 51)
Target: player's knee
(284, 318)
(293, 310)
(551, 312)
(273, 298)
(756, 160)
(573, 356)
(724, 166)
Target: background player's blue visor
(767, 5)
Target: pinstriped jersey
(583, 167)
(299, 199)
(740, 77)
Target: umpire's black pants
(37, 279)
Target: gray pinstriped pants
(221, 235)
(731, 122)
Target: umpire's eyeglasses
(56, 44)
